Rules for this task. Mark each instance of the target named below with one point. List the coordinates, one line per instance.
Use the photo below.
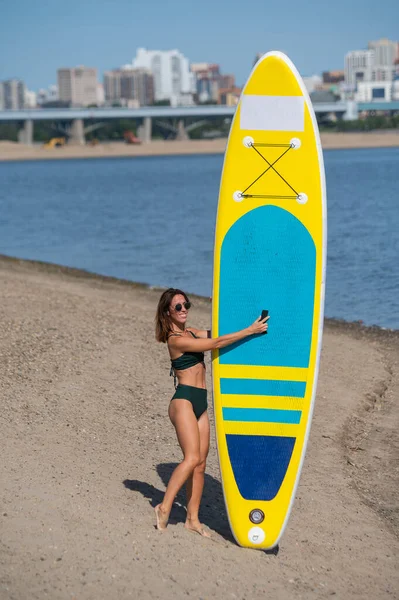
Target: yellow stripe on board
(259, 372)
(244, 428)
(281, 402)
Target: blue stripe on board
(259, 463)
(262, 415)
(263, 387)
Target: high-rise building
(384, 57)
(173, 80)
(112, 86)
(358, 66)
(384, 83)
(77, 85)
(376, 64)
(124, 85)
(12, 94)
(384, 52)
(207, 81)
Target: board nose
(273, 76)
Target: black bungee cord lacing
(271, 166)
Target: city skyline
(72, 35)
(160, 76)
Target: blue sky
(38, 36)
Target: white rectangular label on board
(272, 113)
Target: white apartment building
(373, 65)
(378, 91)
(369, 91)
(173, 79)
(12, 94)
(358, 66)
(77, 85)
(385, 53)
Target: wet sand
(14, 151)
(87, 450)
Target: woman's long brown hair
(163, 325)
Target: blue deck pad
(262, 415)
(259, 463)
(262, 387)
(268, 261)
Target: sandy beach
(87, 449)
(14, 151)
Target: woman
(188, 407)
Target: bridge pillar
(181, 131)
(144, 131)
(25, 135)
(352, 112)
(77, 133)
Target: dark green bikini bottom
(197, 397)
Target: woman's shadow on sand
(212, 510)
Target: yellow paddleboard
(270, 254)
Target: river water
(152, 219)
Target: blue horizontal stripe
(263, 387)
(262, 415)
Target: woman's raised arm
(189, 344)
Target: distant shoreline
(12, 151)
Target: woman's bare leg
(195, 483)
(187, 430)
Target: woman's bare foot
(195, 526)
(162, 518)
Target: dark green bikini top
(186, 360)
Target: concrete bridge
(77, 116)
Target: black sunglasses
(179, 307)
